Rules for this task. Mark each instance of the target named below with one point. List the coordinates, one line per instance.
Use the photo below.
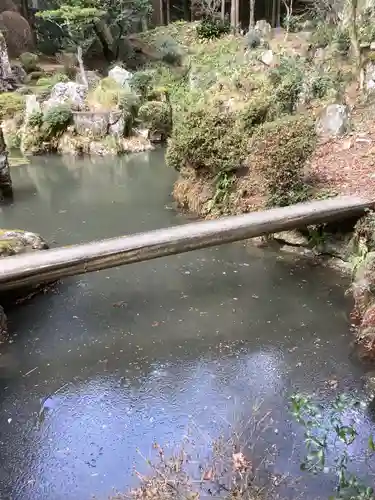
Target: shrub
(11, 104)
(279, 151)
(29, 61)
(170, 50)
(207, 137)
(252, 39)
(287, 79)
(130, 102)
(106, 95)
(141, 82)
(261, 108)
(35, 119)
(56, 120)
(341, 40)
(210, 28)
(156, 116)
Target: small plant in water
(328, 440)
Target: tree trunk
(104, 34)
(274, 8)
(252, 14)
(222, 13)
(237, 15)
(82, 68)
(187, 10)
(353, 30)
(233, 15)
(168, 6)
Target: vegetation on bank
(235, 468)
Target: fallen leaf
(240, 462)
(208, 475)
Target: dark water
(120, 358)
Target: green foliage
(35, 119)
(341, 40)
(279, 150)
(106, 95)
(130, 103)
(329, 435)
(141, 83)
(223, 185)
(293, 23)
(156, 116)
(11, 104)
(76, 19)
(29, 61)
(170, 50)
(50, 81)
(362, 241)
(210, 28)
(287, 79)
(55, 121)
(259, 109)
(207, 137)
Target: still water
(120, 358)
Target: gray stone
(31, 106)
(121, 76)
(92, 124)
(334, 121)
(70, 93)
(19, 73)
(267, 57)
(15, 241)
(92, 79)
(5, 179)
(263, 28)
(116, 124)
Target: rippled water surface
(119, 358)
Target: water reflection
(119, 358)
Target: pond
(117, 359)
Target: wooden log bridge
(49, 265)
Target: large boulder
(120, 76)
(5, 179)
(70, 93)
(334, 121)
(17, 32)
(263, 27)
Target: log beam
(49, 265)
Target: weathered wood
(49, 265)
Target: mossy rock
(29, 61)
(11, 104)
(16, 241)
